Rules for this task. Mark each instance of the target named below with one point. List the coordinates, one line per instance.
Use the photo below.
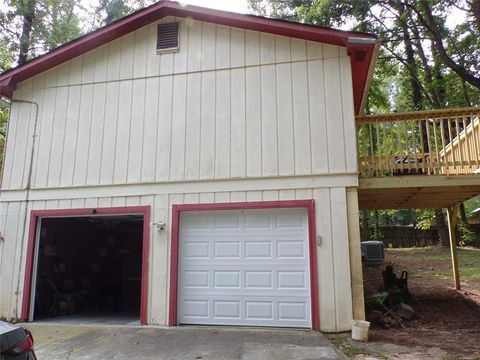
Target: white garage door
(248, 267)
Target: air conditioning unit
(373, 253)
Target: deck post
(356, 271)
(452, 222)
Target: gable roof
(362, 47)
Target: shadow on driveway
(102, 342)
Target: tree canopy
(430, 48)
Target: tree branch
(429, 23)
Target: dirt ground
(444, 318)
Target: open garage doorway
(88, 268)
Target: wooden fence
(399, 236)
(404, 236)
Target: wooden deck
(426, 159)
(417, 192)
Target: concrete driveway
(68, 342)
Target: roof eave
(371, 71)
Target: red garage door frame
(288, 204)
(37, 215)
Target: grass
(468, 259)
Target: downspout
(9, 104)
(27, 195)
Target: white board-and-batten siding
(230, 104)
(234, 116)
(331, 219)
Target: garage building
(206, 177)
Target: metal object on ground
(373, 253)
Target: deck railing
(437, 142)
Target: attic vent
(167, 37)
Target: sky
(239, 6)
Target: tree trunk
(26, 37)
(463, 214)
(365, 226)
(442, 228)
(468, 103)
(377, 227)
(411, 64)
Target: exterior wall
(231, 103)
(335, 296)
(234, 116)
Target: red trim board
(360, 45)
(178, 209)
(37, 215)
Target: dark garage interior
(89, 269)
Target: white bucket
(360, 330)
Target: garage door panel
(226, 250)
(226, 279)
(258, 249)
(290, 310)
(228, 235)
(251, 311)
(292, 280)
(258, 221)
(226, 221)
(246, 277)
(259, 310)
(196, 250)
(200, 221)
(258, 279)
(196, 309)
(226, 309)
(245, 268)
(196, 279)
(289, 220)
(291, 249)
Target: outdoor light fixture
(160, 225)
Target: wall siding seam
(142, 132)
(187, 37)
(325, 113)
(292, 115)
(275, 68)
(28, 148)
(230, 160)
(199, 153)
(127, 164)
(115, 142)
(77, 122)
(52, 127)
(309, 114)
(343, 111)
(333, 257)
(215, 113)
(37, 143)
(85, 180)
(102, 154)
(184, 73)
(169, 174)
(66, 120)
